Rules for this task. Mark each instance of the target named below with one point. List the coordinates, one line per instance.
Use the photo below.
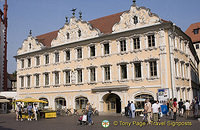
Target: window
(136, 43)
(37, 80)
(68, 36)
(46, 78)
(135, 19)
(28, 81)
(22, 64)
(29, 45)
(79, 75)
(123, 71)
(57, 57)
(46, 59)
(123, 45)
(176, 68)
(107, 73)
(56, 74)
(92, 51)
(79, 53)
(29, 62)
(153, 68)
(22, 82)
(67, 53)
(151, 41)
(81, 102)
(138, 70)
(79, 33)
(196, 31)
(67, 77)
(92, 75)
(37, 60)
(197, 46)
(106, 49)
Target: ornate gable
(136, 17)
(29, 45)
(75, 30)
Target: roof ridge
(47, 33)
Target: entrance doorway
(112, 103)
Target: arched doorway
(81, 102)
(112, 103)
(44, 105)
(140, 100)
(60, 103)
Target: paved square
(7, 122)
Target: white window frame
(76, 50)
(45, 59)
(65, 71)
(55, 57)
(77, 76)
(54, 77)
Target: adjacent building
(108, 61)
(193, 32)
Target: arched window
(60, 102)
(135, 19)
(42, 105)
(30, 46)
(68, 36)
(81, 102)
(140, 100)
(79, 33)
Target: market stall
(42, 113)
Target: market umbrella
(30, 100)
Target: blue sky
(42, 16)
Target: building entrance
(112, 103)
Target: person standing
(187, 108)
(196, 107)
(180, 107)
(174, 109)
(19, 112)
(156, 110)
(35, 110)
(145, 111)
(148, 105)
(89, 113)
(129, 110)
(171, 108)
(132, 109)
(29, 109)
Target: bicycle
(75, 112)
(95, 112)
(68, 112)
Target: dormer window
(196, 31)
(68, 37)
(79, 33)
(135, 18)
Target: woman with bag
(174, 109)
(89, 114)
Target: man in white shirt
(187, 108)
(132, 109)
(156, 109)
(35, 109)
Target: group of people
(31, 110)
(152, 111)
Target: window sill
(46, 86)
(123, 53)
(56, 86)
(56, 63)
(106, 55)
(123, 80)
(136, 50)
(176, 49)
(21, 88)
(78, 60)
(108, 81)
(28, 88)
(78, 84)
(137, 79)
(68, 84)
(92, 82)
(150, 48)
(37, 87)
(152, 78)
(67, 61)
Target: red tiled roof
(190, 32)
(46, 39)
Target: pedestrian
(187, 108)
(174, 109)
(129, 110)
(89, 113)
(156, 111)
(145, 111)
(196, 107)
(180, 107)
(148, 105)
(132, 108)
(19, 112)
(171, 108)
(35, 110)
(29, 109)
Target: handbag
(174, 109)
(84, 118)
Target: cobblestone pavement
(8, 122)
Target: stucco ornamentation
(128, 22)
(75, 30)
(29, 45)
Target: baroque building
(108, 61)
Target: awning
(4, 100)
(111, 88)
(30, 100)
